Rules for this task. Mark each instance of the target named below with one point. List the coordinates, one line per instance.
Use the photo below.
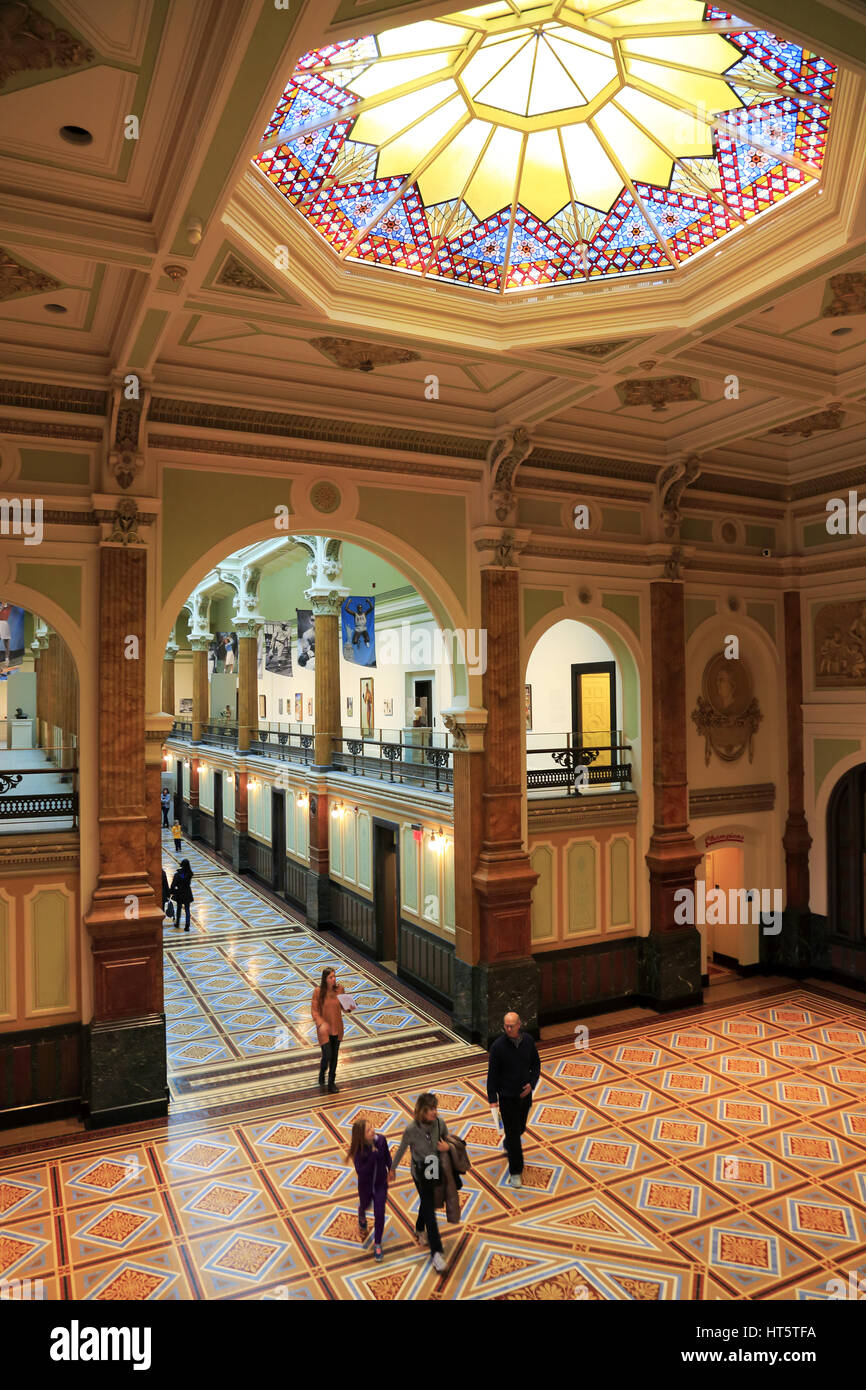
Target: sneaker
(420, 1237)
(333, 1088)
(377, 1252)
(516, 1180)
(439, 1263)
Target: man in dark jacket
(512, 1075)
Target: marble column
(800, 940)
(671, 957)
(124, 1043)
(192, 821)
(326, 604)
(240, 842)
(168, 699)
(200, 686)
(504, 976)
(248, 688)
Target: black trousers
(514, 1112)
(183, 907)
(427, 1211)
(165, 817)
(330, 1050)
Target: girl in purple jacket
(372, 1159)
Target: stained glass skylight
(519, 144)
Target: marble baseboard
(124, 1067)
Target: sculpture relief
(727, 714)
(840, 646)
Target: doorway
(278, 841)
(846, 858)
(423, 696)
(723, 869)
(218, 812)
(593, 706)
(178, 794)
(386, 903)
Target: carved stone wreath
(325, 497)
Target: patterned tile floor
(237, 1000)
(715, 1155)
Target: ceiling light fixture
(76, 135)
(55, 308)
(840, 332)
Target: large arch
(437, 594)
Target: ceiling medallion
(239, 276)
(846, 294)
(325, 497)
(362, 357)
(523, 143)
(598, 350)
(659, 392)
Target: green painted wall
(535, 511)
(696, 529)
(148, 335)
(627, 523)
(62, 583)
(697, 612)
(216, 506)
(626, 606)
(55, 466)
(765, 614)
(537, 603)
(435, 526)
(763, 537)
(827, 752)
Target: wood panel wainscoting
(261, 861)
(354, 917)
(427, 961)
(40, 1075)
(585, 977)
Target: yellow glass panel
(414, 38)
(595, 711)
(491, 59)
(595, 180)
(508, 89)
(710, 93)
(554, 88)
(653, 12)
(643, 160)
(373, 127)
(591, 71)
(709, 52)
(543, 187)
(681, 134)
(578, 38)
(493, 186)
(445, 177)
(381, 77)
(405, 154)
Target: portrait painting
(388, 708)
(527, 698)
(299, 707)
(350, 706)
(263, 707)
(367, 706)
(309, 706)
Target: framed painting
(388, 708)
(350, 706)
(299, 707)
(367, 706)
(527, 700)
(263, 707)
(309, 707)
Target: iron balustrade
(580, 749)
(291, 742)
(221, 732)
(427, 764)
(36, 805)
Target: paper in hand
(347, 1001)
(496, 1119)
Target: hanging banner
(358, 616)
(306, 638)
(11, 634)
(277, 638)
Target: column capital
(201, 641)
(326, 603)
(249, 626)
(499, 548)
(171, 651)
(466, 727)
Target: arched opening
(846, 858)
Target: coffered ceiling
(169, 255)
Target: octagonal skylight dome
(520, 144)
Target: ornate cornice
(559, 460)
(48, 854)
(38, 395)
(240, 449)
(44, 429)
(568, 813)
(730, 801)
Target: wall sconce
(303, 799)
(438, 842)
(337, 811)
(356, 811)
(253, 782)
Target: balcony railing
(292, 742)
(22, 800)
(573, 761)
(221, 732)
(422, 760)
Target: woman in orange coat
(327, 1014)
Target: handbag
(169, 911)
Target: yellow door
(595, 711)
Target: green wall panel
(626, 606)
(827, 752)
(537, 603)
(697, 612)
(55, 466)
(62, 583)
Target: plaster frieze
(17, 279)
(29, 42)
(40, 395)
(275, 454)
(47, 429)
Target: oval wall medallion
(325, 497)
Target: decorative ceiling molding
(17, 279)
(845, 294)
(659, 392)
(561, 461)
(599, 350)
(360, 356)
(29, 43)
(238, 276)
(808, 425)
(202, 415)
(729, 801)
(42, 429)
(178, 443)
(39, 395)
